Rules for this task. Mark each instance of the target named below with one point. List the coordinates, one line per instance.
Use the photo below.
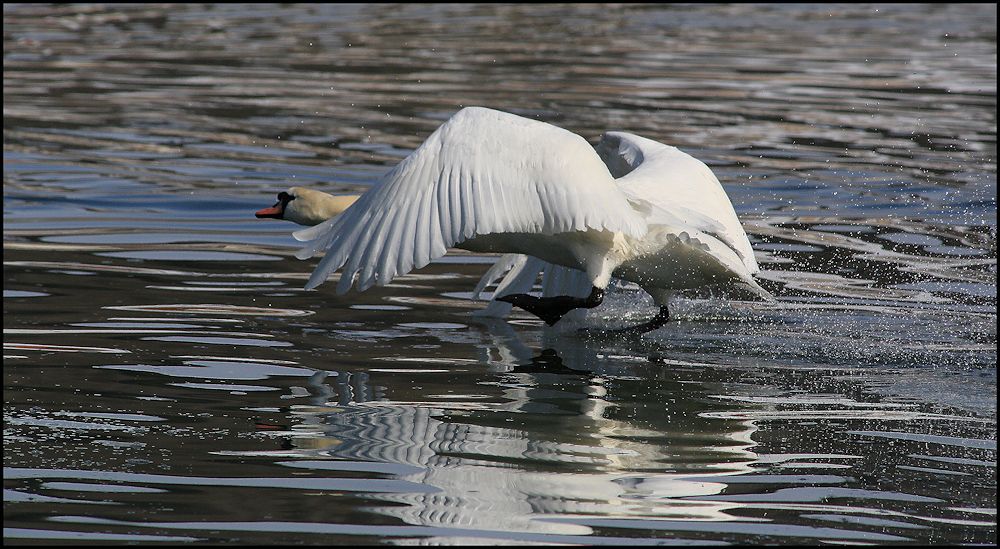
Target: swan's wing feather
(682, 189)
(481, 172)
(502, 265)
(520, 279)
(558, 280)
(518, 273)
(722, 251)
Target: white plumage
(482, 172)
(491, 181)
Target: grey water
(167, 379)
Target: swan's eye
(284, 197)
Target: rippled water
(166, 378)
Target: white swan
(489, 181)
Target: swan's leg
(661, 297)
(654, 323)
(551, 309)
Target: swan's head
(278, 210)
(306, 206)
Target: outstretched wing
(682, 189)
(482, 172)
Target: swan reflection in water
(569, 449)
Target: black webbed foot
(552, 309)
(654, 323)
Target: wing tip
(759, 291)
(311, 284)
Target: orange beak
(275, 211)
(278, 210)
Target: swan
(489, 181)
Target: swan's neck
(314, 207)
